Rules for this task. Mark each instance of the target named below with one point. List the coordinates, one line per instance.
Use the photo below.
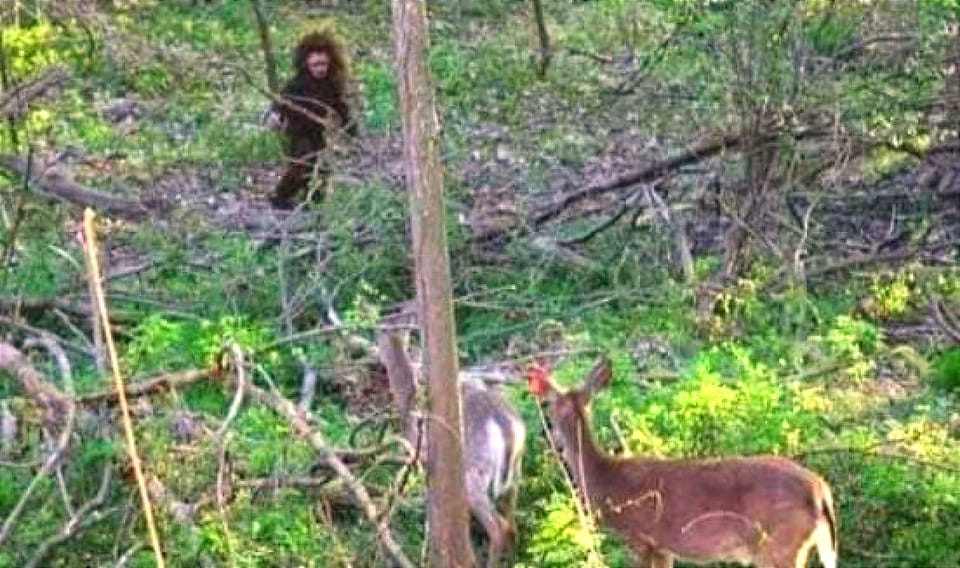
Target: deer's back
(494, 435)
(673, 502)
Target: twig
(16, 101)
(66, 429)
(946, 320)
(163, 382)
(84, 517)
(287, 409)
(25, 327)
(124, 559)
(93, 267)
(681, 243)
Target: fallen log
(15, 102)
(56, 182)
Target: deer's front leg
(648, 557)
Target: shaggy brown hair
(323, 41)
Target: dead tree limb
(15, 101)
(948, 322)
(25, 327)
(699, 151)
(55, 182)
(156, 384)
(695, 153)
(14, 362)
(289, 410)
(629, 205)
(55, 403)
(87, 515)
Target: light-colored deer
(494, 436)
(765, 511)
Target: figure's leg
(296, 176)
(294, 180)
(320, 173)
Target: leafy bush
(851, 341)
(707, 414)
(380, 98)
(891, 297)
(948, 369)
(160, 344)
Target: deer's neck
(588, 464)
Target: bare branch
(290, 411)
(86, 516)
(15, 102)
(948, 322)
(156, 384)
(12, 361)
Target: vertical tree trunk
(448, 515)
(269, 60)
(955, 44)
(544, 37)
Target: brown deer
(765, 511)
(494, 436)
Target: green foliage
(482, 81)
(851, 341)
(380, 214)
(832, 26)
(42, 265)
(948, 369)
(892, 296)
(31, 49)
(561, 539)
(707, 415)
(380, 98)
(160, 344)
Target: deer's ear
(600, 374)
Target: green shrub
(948, 369)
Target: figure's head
(318, 64)
(319, 55)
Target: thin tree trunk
(955, 104)
(544, 37)
(448, 516)
(269, 60)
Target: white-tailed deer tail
(826, 533)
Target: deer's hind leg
(494, 525)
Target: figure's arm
(276, 117)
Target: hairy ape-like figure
(314, 100)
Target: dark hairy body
(311, 103)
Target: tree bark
(544, 37)
(448, 516)
(269, 60)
